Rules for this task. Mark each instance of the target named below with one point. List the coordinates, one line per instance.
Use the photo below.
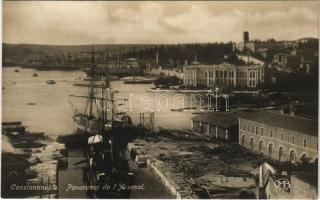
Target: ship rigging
(105, 136)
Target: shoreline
(38, 156)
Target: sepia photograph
(160, 99)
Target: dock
(197, 169)
(152, 183)
(73, 175)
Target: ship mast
(91, 86)
(92, 82)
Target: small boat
(158, 90)
(31, 104)
(87, 85)
(183, 109)
(137, 80)
(35, 75)
(192, 91)
(16, 70)
(111, 78)
(177, 109)
(51, 82)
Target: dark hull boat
(51, 82)
(103, 135)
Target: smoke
(6, 145)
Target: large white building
(225, 74)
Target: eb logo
(283, 184)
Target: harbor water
(51, 104)
(49, 108)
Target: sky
(140, 22)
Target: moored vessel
(102, 134)
(51, 82)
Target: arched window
(281, 153)
(293, 156)
(261, 146)
(304, 143)
(251, 143)
(243, 140)
(270, 149)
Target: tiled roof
(222, 119)
(299, 124)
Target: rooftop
(222, 119)
(224, 64)
(299, 124)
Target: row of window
(255, 129)
(241, 74)
(223, 74)
(270, 150)
(242, 82)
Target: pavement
(154, 189)
(73, 175)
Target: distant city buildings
(288, 56)
(225, 75)
(299, 60)
(132, 63)
(260, 46)
(282, 137)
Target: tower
(245, 43)
(245, 36)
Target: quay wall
(156, 168)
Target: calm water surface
(52, 112)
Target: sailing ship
(118, 68)
(104, 134)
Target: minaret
(195, 58)
(157, 58)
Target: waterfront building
(219, 125)
(282, 137)
(224, 74)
